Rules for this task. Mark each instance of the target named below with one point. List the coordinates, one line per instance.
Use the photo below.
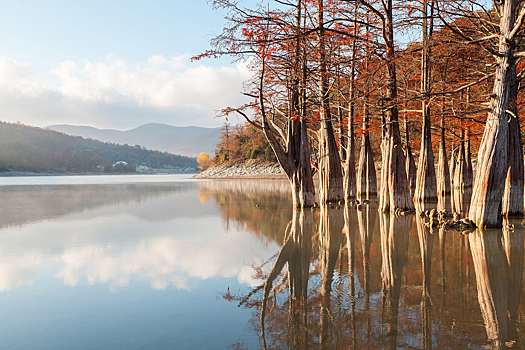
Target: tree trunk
(426, 184)
(461, 167)
(410, 163)
(512, 202)
(330, 172)
(452, 168)
(469, 173)
(394, 184)
(486, 205)
(366, 173)
(295, 159)
(350, 175)
(443, 174)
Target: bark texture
(512, 202)
(395, 192)
(426, 183)
(486, 205)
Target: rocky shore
(249, 169)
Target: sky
(113, 64)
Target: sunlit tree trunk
(330, 172)
(394, 184)
(366, 173)
(294, 158)
(426, 184)
(486, 205)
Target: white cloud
(117, 94)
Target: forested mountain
(29, 148)
(189, 140)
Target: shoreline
(84, 173)
(249, 169)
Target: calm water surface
(164, 262)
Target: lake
(165, 262)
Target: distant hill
(27, 148)
(188, 141)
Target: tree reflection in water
(498, 264)
(357, 279)
(394, 247)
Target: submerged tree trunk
(330, 172)
(395, 192)
(486, 205)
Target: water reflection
(394, 247)
(340, 277)
(428, 282)
(498, 264)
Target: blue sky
(113, 64)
